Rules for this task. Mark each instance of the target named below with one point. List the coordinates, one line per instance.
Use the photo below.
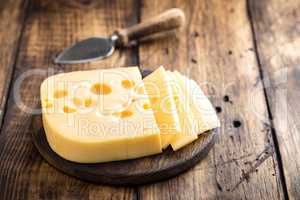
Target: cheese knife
(97, 48)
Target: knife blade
(86, 51)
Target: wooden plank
(11, 23)
(277, 30)
(23, 173)
(216, 49)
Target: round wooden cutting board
(128, 172)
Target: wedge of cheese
(99, 116)
(203, 112)
(188, 134)
(158, 87)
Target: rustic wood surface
(12, 14)
(276, 26)
(243, 53)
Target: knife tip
(56, 59)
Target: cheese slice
(158, 87)
(188, 133)
(99, 116)
(204, 114)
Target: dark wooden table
(244, 53)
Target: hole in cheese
(140, 90)
(48, 105)
(126, 113)
(154, 100)
(89, 102)
(77, 101)
(101, 89)
(68, 109)
(146, 106)
(176, 98)
(60, 94)
(127, 84)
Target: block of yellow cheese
(204, 114)
(158, 87)
(99, 116)
(188, 134)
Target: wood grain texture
(24, 174)
(216, 49)
(12, 15)
(276, 26)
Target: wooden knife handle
(168, 20)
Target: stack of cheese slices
(114, 114)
